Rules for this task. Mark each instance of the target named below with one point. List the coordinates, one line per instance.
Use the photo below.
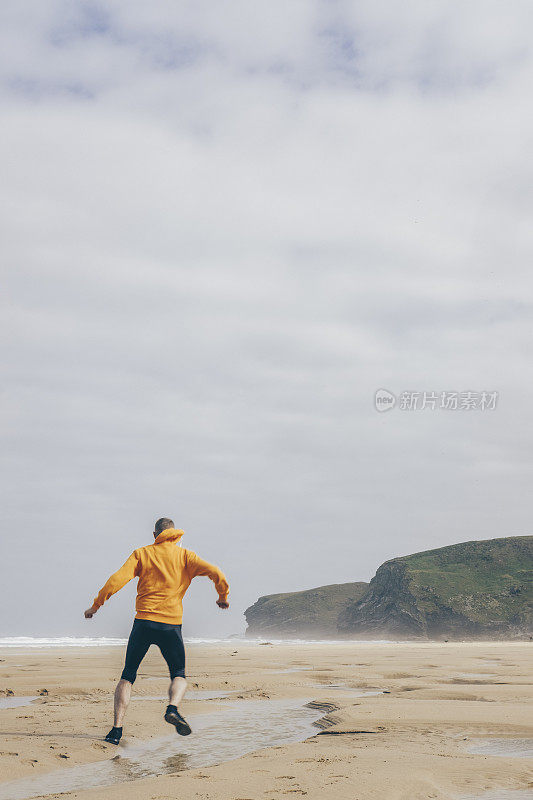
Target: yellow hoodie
(165, 573)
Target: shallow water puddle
(204, 694)
(511, 748)
(476, 675)
(500, 794)
(340, 687)
(199, 694)
(286, 670)
(232, 731)
(15, 702)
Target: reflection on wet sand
(15, 702)
(511, 748)
(129, 769)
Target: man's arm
(196, 566)
(119, 579)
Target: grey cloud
(212, 263)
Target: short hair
(162, 525)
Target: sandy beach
(396, 722)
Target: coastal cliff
(480, 589)
(472, 590)
(311, 614)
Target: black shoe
(114, 735)
(173, 716)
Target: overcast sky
(225, 225)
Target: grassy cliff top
(311, 608)
(338, 590)
(497, 570)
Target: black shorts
(167, 637)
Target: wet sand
(397, 722)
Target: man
(165, 572)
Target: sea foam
(108, 641)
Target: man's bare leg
(176, 690)
(122, 701)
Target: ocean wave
(60, 641)
(108, 641)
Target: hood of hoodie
(169, 535)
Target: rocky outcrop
(311, 614)
(480, 589)
(473, 590)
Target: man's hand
(222, 604)
(90, 612)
